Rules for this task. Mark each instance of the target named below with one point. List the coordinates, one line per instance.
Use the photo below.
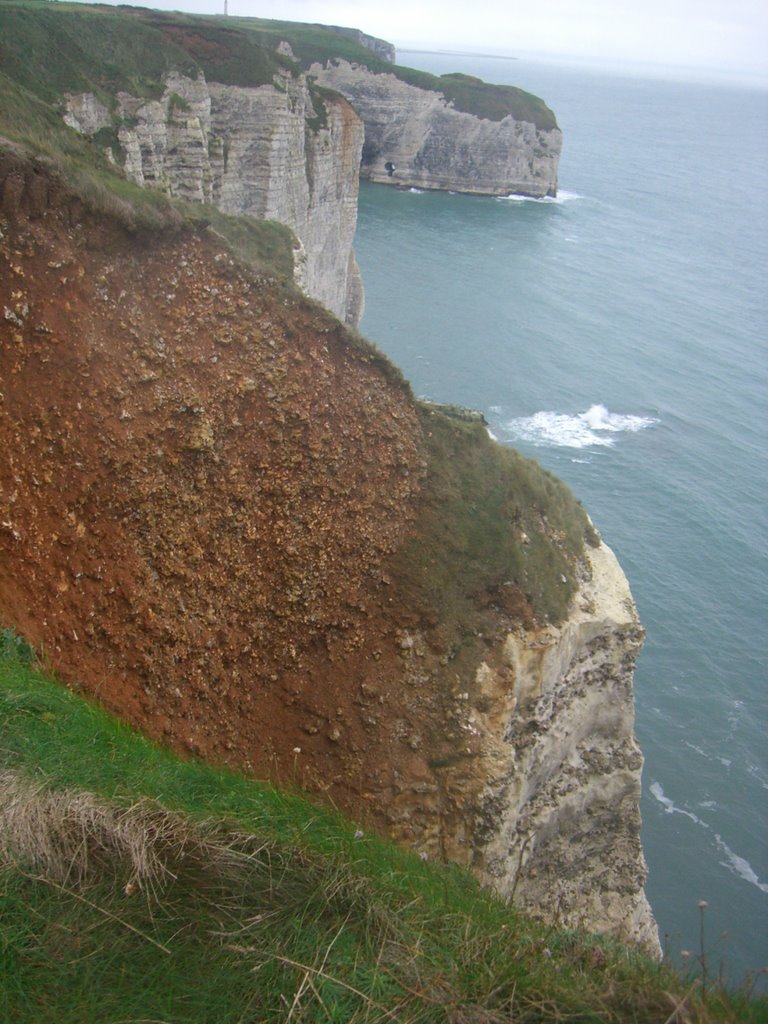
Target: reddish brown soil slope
(199, 484)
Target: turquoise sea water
(618, 335)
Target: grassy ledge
(517, 532)
(41, 145)
(136, 886)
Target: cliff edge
(272, 152)
(250, 116)
(225, 516)
(427, 138)
(561, 766)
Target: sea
(618, 334)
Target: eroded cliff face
(414, 137)
(280, 151)
(207, 491)
(261, 152)
(557, 822)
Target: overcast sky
(702, 34)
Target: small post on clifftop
(225, 8)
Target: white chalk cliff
(541, 799)
(416, 137)
(280, 151)
(264, 152)
(558, 823)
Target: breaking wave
(561, 197)
(739, 866)
(734, 863)
(671, 807)
(595, 427)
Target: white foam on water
(734, 863)
(598, 417)
(725, 762)
(757, 774)
(416, 191)
(698, 750)
(491, 434)
(671, 807)
(597, 427)
(562, 197)
(739, 866)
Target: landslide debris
(201, 478)
(223, 514)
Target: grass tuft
(71, 837)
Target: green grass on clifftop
(494, 528)
(317, 43)
(32, 135)
(53, 48)
(138, 887)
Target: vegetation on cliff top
(55, 48)
(136, 886)
(317, 43)
(31, 131)
(516, 531)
